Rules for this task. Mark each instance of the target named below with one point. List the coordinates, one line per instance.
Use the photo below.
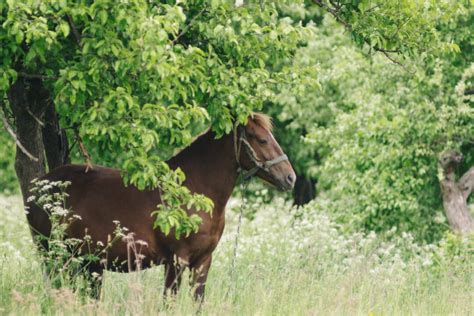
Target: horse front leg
(173, 272)
(199, 273)
(94, 275)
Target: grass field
(285, 266)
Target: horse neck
(210, 167)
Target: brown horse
(211, 165)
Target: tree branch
(393, 60)
(17, 141)
(449, 161)
(348, 27)
(35, 76)
(469, 91)
(333, 12)
(386, 50)
(455, 193)
(40, 123)
(75, 32)
(186, 28)
(83, 150)
(466, 183)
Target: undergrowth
(290, 262)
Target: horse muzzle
(287, 182)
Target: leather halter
(259, 165)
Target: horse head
(260, 154)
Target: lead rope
(243, 191)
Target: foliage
(389, 126)
(397, 29)
(169, 213)
(336, 64)
(404, 27)
(371, 132)
(290, 261)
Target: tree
(456, 193)
(131, 81)
(8, 183)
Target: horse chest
(197, 245)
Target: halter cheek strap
(259, 165)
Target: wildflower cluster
(65, 259)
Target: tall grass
(290, 262)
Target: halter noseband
(259, 165)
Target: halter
(259, 165)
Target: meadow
(290, 262)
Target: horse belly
(99, 214)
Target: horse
(211, 166)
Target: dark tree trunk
(54, 139)
(28, 100)
(304, 191)
(455, 193)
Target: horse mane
(262, 120)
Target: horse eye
(262, 141)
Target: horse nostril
(290, 178)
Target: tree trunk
(304, 191)
(28, 99)
(54, 139)
(455, 194)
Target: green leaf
(64, 28)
